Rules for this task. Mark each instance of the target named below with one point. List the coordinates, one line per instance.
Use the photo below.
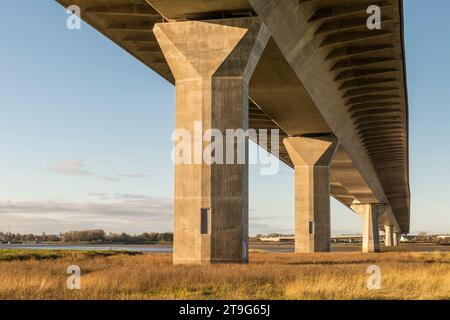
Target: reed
(267, 276)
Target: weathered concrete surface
(322, 72)
(388, 235)
(371, 237)
(350, 74)
(277, 90)
(312, 158)
(347, 184)
(367, 67)
(212, 63)
(395, 239)
(198, 8)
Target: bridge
(335, 89)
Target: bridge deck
(364, 68)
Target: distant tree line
(98, 236)
(28, 237)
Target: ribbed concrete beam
(363, 72)
(302, 50)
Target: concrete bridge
(335, 89)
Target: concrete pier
(311, 158)
(212, 63)
(371, 236)
(396, 239)
(304, 68)
(388, 236)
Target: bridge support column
(388, 235)
(212, 63)
(395, 238)
(371, 236)
(312, 157)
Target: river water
(141, 248)
(265, 247)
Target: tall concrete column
(212, 63)
(371, 236)
(395, 238)
(312, 157)
(388, 235)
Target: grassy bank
(268, 276)
(22, 255)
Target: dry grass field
(268, 276)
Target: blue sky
(85, 131)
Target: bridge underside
(322, 72)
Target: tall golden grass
(268, 276)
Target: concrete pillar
(212, 63)
(388, 235)
(395, 238)
(371, 236)
(312, 157)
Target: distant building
(280, 238)
(405, 238)
(347, 238)
(290, 238)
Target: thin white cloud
(99, 195)
(76, 168)
(70, 167)
(126, 213)
(105, 162)
(131, 196)
(126, 208)
(120, 196)
(107, 178)
(132, 175)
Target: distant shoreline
(81, 243)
